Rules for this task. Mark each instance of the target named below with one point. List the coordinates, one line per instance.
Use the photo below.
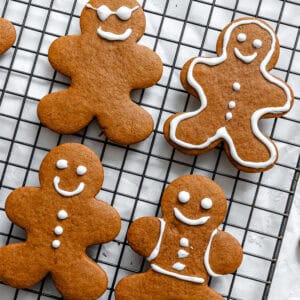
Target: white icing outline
(156, 250)
(206, 256)
(247, 59)
(110, 36)
(192, 222)
(65, 193)
(194, 279)
(222, 132)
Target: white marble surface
(286, 283)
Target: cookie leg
(124, 122)
(193, 134)
(65, 111)
(21, 266)
(80, 279)
(249, 153)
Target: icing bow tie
(124, 13)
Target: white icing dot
(184, 242)
(58, 230)
(81, 170)
(184, 196)
(61, 164)
(206, 203)
(257, 43)
(178, 266)
(231, 104)
(62, 215)
(56, 244)
(228, 116)
(236, 86)
(182, 253)
(241, 37)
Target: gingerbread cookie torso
(7, 35)
(61, 219)
(184, 247)
(105, 64)
(236, 90)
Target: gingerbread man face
(249, 42)
(69, 175)
(114, 20)
(192, 204)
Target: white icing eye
(61, 164)
(124, 13)
(241, 37)
(184, 196)
(257, 43)
(103, 12)
(206, 203)
(81, 170)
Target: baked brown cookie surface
(185, 246)
(236, 90)
(105, 64)
(7, 35)
(61, 219)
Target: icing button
(184, 242)
(228, 116)
(182, 253)
(62, 215)
(231, 104)
(56, 244)
(236, 86)
(58, 230)
(178, 266)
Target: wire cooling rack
(135, 176)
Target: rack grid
(136, 175)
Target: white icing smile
(65, 193)
(193, 222)
(110, 36)
(245, 58)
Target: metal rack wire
(137, 175)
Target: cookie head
(114, 20)
(72, 170)
(194, 201)
(250, 41)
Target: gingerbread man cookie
(7, 35)
(61, 219)
(105, 64)
(184, 247)
(236, 90)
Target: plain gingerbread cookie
(7, 35)
(184, 247)
(105, 64)
(61, 219)
(236, 90)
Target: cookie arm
(143, 235)
(64, 55)
(226, 253)
(147, 68)
(20, 206)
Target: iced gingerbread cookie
(7, 35)
(183, 247)
(61, 219)
(236, 90)
(105, 64)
